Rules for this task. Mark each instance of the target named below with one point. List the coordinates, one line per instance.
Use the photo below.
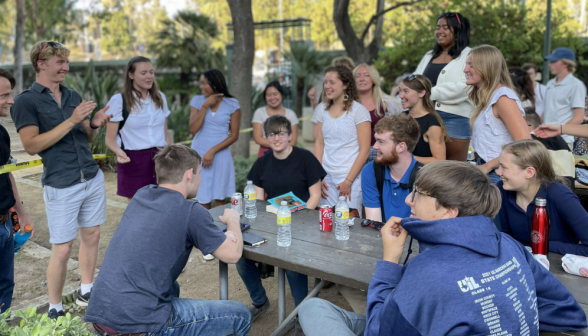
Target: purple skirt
(138, 173)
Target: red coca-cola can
(326, 220)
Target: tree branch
(375, 17)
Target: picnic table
(351, 263)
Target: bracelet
(349, 180)
(71, 121)
(92, 127)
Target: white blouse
(145, 126)
(489, 134)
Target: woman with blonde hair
(371, 96)
(497, 118)
(527, 173)
(415, 95)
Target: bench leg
(223, 276)
(319, 285)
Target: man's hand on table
(230, 216)
(393, 238)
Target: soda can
(237, 203)
(326, 220)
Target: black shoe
(54, 314)
(255, 312)
(82, 300)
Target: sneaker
(208, 257)
(54, 314)
(82, 300)
(255, 312)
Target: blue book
(294, 203)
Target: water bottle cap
(341, 198)
(249, 182)
(284, 203)
(28, 228)
(540, 201)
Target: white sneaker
(208, 257)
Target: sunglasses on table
(52, 45)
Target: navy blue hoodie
(470, 279)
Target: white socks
(86, 288)
(58, 307)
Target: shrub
(34, 324)
(242, 167)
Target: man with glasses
(9, 198)
(54, 122)
(565, 99)
(469, 279)
(285, 169)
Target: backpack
(121, 124)
(380, 171)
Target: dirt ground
(199, 281)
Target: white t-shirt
(340, 137)
(145, 126)
(260, 116)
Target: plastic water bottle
(20, 240)
(250, 195)
(284, 221)
(342, 219)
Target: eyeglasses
(281, 135)
(411, 77)
(50, 43)
(415, 191)
(451, 15)
(373, 224)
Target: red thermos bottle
(540, 228)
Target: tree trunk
(18, 46)
(300, 94)
(242, 67)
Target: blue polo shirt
(394, 194)
(568, 221)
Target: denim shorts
(458, 127)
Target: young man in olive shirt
(8, 198)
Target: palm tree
(186, 43)
(307, 63)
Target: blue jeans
(6, 264)
(206, 318)
(319, 317)
(457, 127)
(494, 178)
(250, 276)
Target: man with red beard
(396, 137)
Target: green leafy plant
(179, 122)
(98, 87)
(33, 324)
(242, 167)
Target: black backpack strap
(413, 174)
(121, 124)
(379, 172)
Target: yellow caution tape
(34, 163)
(245, 130)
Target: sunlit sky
(170, 6)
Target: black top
(6, 195)
(296, 173)
(69, 161)
(433, 70)
(423, 149)
(554, 143)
